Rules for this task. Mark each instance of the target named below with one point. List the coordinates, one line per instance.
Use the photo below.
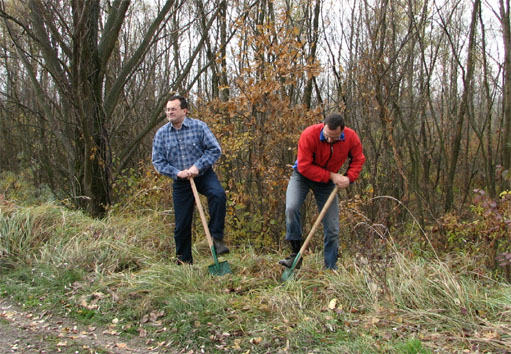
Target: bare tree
(68, 52)
(463, 109)
(505, 21)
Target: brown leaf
(256, 340)
(332, 304)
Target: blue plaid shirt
(176, 150)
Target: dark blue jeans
(297, 190)
(184, 202)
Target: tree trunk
(87, 87)
(506, 29)
(312, 55)
(463, 110)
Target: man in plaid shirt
(184, 148)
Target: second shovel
(218, 268)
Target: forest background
(426, 84)
(425, 230)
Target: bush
(19, 188)
(483, 231)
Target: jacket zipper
(329, 157)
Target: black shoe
(220, 246)
(288, 262)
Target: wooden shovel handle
(201, 212)
(321, 215)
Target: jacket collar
(322, 137)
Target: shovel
(219, 268)
(288, 273)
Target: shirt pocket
(193, 145)
(172, 150)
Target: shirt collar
(186, 123)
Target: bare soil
(31, 332)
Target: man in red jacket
(322, 150)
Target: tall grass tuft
(55, 235)
(16, 236)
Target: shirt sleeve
(159, 157)
(211, 150)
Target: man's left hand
(193, 171)
(340, 180)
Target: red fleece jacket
(317, 158)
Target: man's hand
(189, 173)
(193, 171)
(340, 180)
(185, 174)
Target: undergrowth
(122, 268)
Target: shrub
(484, 230)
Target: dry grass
(404, 305)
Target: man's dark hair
(182, 100)
(334, 121)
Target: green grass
(119, 268)
(412, 346)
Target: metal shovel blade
(288, 273)
(218, 268)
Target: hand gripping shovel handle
(289, 272)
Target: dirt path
(30, 332)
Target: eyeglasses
(330, 137)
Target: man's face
(331, 135)
(175, 114)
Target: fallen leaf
(237, 343)
(491, 335)
(332, 304)
(256, 340)
(97, 295)
(156, 315)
